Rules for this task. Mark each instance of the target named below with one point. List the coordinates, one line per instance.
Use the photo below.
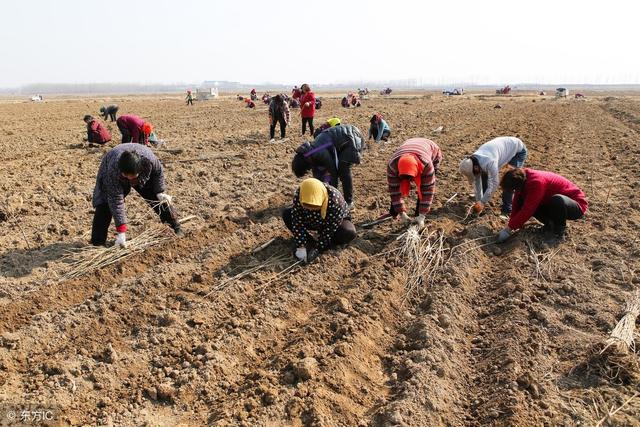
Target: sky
(326, 41)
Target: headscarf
(334, 121)
(466, 169)
(147, 128)
(314, 193)
(409, 164)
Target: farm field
(501, 335)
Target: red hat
(410, 165)
(147, 128)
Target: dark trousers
(306, 120)
(556, 212)
(283, 127)
(507, 196)
(189, 101)
(112, 116)
(385, 134)
(102, 217)
(126, 136)
(345, 233)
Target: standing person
(278, 113)
(482, 169)
(379, 129)
(295, 93)
(124, 167)
(330, 157)
(110, 111)
(307, 108)
(134, 129)
(189, 98)
(549, 197)
(96, 132)
(254, 95)
(320, 207)
(417, 160)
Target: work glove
(419, 220)
(121, 240)
(351, 206)
(404, 218)
(478, 207)
(164, 198)
(301, 254)
(504, 234)
(312, 254)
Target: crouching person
(124, 167)
(319, 207)
(96, 132)
(550, 198)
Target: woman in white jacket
(482, 169)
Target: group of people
(319, 206)
(320, 215)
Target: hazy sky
(255, 41)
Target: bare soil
(503, 337)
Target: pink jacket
(539, 187)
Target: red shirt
(97, 133)
(308, 112)
(538, 189)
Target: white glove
(351, 206)
(164, 198)
(504, 234)
(121, 240)
(301, 254)
(419, 220)
(405, 218)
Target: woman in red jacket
(96, 132)
(307, 108)
(549, 197)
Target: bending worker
(124, 167)
(483, 167)
(549, 197)
(416, 160)
(320, 207)
(330, 157)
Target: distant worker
(318, 103)
(307, 108)
(134, 129)
(319, 207)
(254, 95)
(189, 98)
(124, 167)
(355, 102)
(110, 111)
(278, 113)
(344, 102)
(549, 197)
(379, 129)
(330, 157)
(249, 103)
(332, 122)
(96, 132)
(296, 93)
(482, 169)
(416, 160)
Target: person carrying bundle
(110, 111)
(550, 198)
(278, 113)
(482, 169)
(330, 157)
(134, 129)
(124, 167)
(319, 207)
(379, 129)
(330, 123)
(96, 132)
(416, 160)
(307, 108)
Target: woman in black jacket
(330, 157)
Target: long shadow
(21, 262)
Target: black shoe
(178, 231)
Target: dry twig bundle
(615, 358)
(423, 254)
(93, 258)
